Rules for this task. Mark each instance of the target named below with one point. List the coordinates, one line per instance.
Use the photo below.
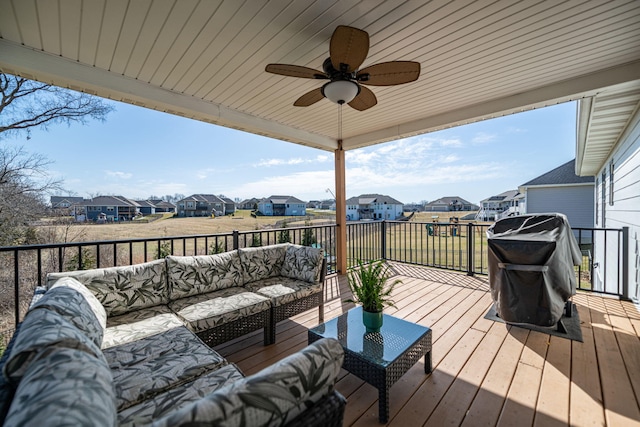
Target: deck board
(485, 373)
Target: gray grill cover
(531, 275)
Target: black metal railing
(451, 246)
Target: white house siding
(625, 210)
(575, 201)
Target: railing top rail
(148, 239)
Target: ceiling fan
(347, 51)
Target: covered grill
(531, 275)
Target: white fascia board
(577, 184)
(583, 123)
(37, 65)
(552, 94)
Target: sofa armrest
(274, 396)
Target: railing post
(470, 250)
(383, 243)
(625, 263)
(236, 239)
(16, 286)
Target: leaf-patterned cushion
(273, 396)
(263, 262)
(139, 324)
(206, 311)
(282, 290)
(147, 367)
(64, 386)
(193, 275)
(178, 397)
(302, 263)
(41, 330)
(123, 289)
(73, 301)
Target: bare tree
(26, 104)
(24, 180)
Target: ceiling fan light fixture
(340, 91)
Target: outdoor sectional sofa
(126, 345)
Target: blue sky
(138, 152)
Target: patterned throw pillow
(64, 386)
(123, 289)
(73, 301)
(302, 263)
(195, 275)
(263, 262)
(41, 330)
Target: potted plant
(370, 287)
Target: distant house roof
(72, 200)
(251, 201)
(449, 201)
(367, 199)
(227, 200)
(164, 204)
(562, 175)
(281, 200)
(146, 203)
(110, 201)
(502, 197)
(208, 198)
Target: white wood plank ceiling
(206, 59)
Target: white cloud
(483, 138)
(118, 174)
(303, 185)
(289, 162)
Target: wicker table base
(380, 358)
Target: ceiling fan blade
(295, 71)
(364, 100)
(349, 46)
(389, 73)
(309, 98)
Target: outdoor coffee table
(379, 358)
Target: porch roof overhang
(206, 60)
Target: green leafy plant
(308, 238)
(87, 262)
(216, 248)
(284, 236)
(370, 286)
(256, 240)
(164, 250)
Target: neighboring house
(200, 205)
(450, 204)
(373, 206)
(110, 208)
(229, 205)
(327, 205)
(162, 206)
(504, 204)
(249, 204)
(414, 207)
(282, 206)
(67, 205)
(65, 202)
(147, 207)
(608, 148)
(561, 190)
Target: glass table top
(383, 347)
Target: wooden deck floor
(484, 372)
